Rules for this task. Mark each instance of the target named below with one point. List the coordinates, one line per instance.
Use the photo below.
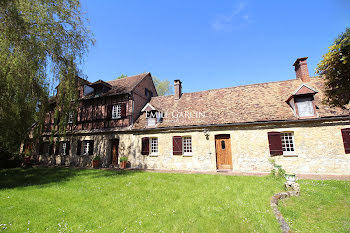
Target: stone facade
(319, 148)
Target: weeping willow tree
(42, 43)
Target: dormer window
(153, 118)
(305, 106)
(302, 102)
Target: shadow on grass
(19, 177)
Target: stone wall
(319, 149)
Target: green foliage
(97, 157)
(335, 67)
(123, 159)
(163, 86)
(277, 170)
(122, 76)
(41, 43)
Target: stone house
(237, 128)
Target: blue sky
(210, 44)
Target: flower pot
(290, 177)
(95, 163)
(123, 164)
(27, 160)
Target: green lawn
(75, 200)
(324, 206)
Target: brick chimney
(301, 70)
(177, 89)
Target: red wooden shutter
(123, 110)
(275, 143)
(145, 146)
(177, 145)
(91, 147)
(41, 148)
(346, 139)
(109, 112)
(79, 147)
(57, 148)
(51, 149)
(67, 148)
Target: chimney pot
(301, 70)
(177, 89)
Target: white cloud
(237, 19)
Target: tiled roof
(121, 86)
(127, 84)
(241, 104)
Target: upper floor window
(153, 117)
(287, 139)
(187, 145)
(70, 118)
(305, 106)
(116, 111)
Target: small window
(305, 106)
(154, 146)
(153, 118)
(70, 118)
(64, 148)
(223, 146)
(86, 147)
(187, 145)
(288, 143)
(146, 92)
(116, 111)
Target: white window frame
(187, 145)
(116, 111)
(70, 118)
(63, 149)
(307, 103)
(153, 146)
(86, 147)
(286, 137)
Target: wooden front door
(115, 145)
(223, 151)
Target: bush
(123, 159)
(97, 157)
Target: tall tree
(335, 67)
(163, 86)
(122, 76)
(41, 42)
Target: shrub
(123, 159)
(97, 157)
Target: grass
(324, 206)
(77, 200)
(74, 200)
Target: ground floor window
(187, 145)
(64, 148)
(288, 143)
(86, 147)
(154, 146)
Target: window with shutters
(116, 111)
(154, 146)
(288, 146)
(86, 147)
(187, 146)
